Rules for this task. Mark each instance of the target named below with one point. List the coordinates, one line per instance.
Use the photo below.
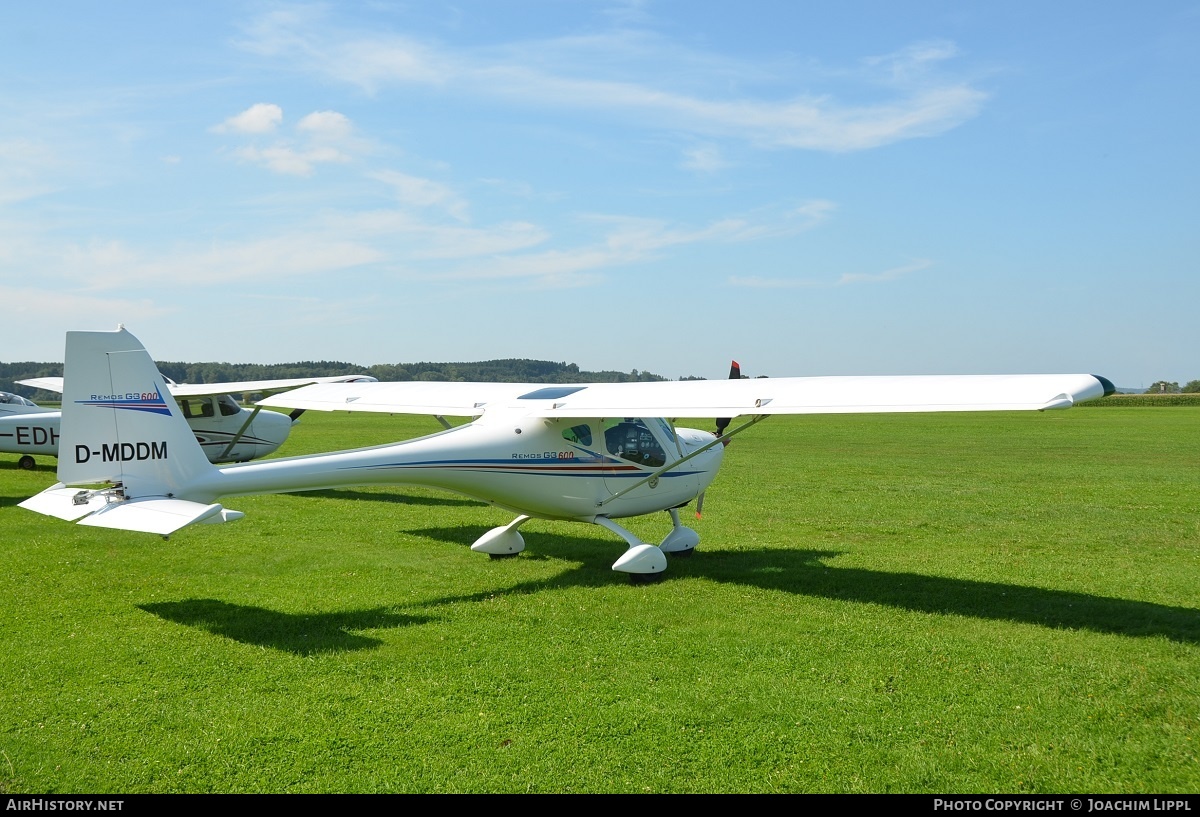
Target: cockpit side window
(632, 440)
(194, 407)
(580, 434)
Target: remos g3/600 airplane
(226, 431)
(583, 452)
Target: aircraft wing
(710, 398)
(408, 397)
(256, 386)
(55, 384)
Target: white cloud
(260, 118)
(407, 237)
(417, 192)
(912, 63)
(291, 161)
(325, 137)
(23, 163)
(328, 126)
(627, 241)
(536, 75)
(73, 308)
(705, 158)
(111, 264)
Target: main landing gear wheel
(503, 555)
(646, 578)
(26, 463)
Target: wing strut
(240, 432)
(720, 440)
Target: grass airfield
(939, 603)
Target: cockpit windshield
(228, 405)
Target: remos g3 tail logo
(151, 401)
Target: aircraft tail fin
(122, 431)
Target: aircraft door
(230, 419)
(648, 444)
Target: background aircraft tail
(125, 438)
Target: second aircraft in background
(226, 431)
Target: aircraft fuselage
(552, 469)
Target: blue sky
(833, 188)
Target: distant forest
(493, 371)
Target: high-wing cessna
(583, 452)
(226, 431)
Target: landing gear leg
(680, 541)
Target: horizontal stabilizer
(64, 503)
(161, 516)
(103, 509)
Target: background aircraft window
(228, 405)
(196, 407)
(581, 434)
(632, 440)
(14, 399)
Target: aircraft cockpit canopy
(11, 399)
(631, 439)
(641, 441)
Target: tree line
(1171, 387)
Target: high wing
(55, 384)
(409, 397)
(710, 398)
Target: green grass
(908, 603)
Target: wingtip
(1109, 388)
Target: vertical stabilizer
(119, 421)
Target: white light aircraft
(583, 452)
(226, 431)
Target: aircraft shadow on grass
(301, 634)
(801, 572)
(806, 573)
(11, 465)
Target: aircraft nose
(272, 427)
